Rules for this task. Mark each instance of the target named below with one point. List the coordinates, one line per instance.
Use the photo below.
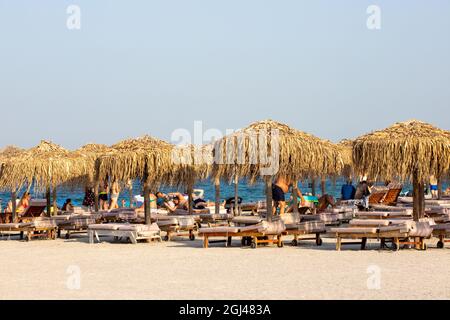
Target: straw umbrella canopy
(345, 147)
(41, 166)
(411, 150)
(44, 166)
(146, 158)
(7, 154)
(288, 152)
(87, 157)
(191, 163)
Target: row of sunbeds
(394, 227)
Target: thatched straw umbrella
(271, 149)
(410, 150)
(87, 157)
(345, 147)
(44, 166)
(7, 154)
(146, 158)
(191, 163)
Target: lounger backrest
(392, 197)
(376, 197)
(36, 208)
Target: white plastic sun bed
(132, 232)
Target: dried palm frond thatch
(403, 150)
(144, 158)
(191, 163)
(345, 147)
(292, 153)
(44, 165)
(87, 157)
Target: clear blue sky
(139, 67)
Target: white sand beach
(184, 270)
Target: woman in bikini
(115, 192)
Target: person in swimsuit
(68, 206)
(152, 204)
(279, 189)
(24, 203)
(434, 187)
(115, 192)
(103, 196)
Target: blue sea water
(249, 193)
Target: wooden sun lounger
(76, 224)
(398, 234)
(442, 232)
(178, 226)
(311, 230)
(250, 235)
(29, 230)
(132, 232)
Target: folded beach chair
(132, 232)
(253, 235)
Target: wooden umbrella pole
(294, 196)
(190, 190)
(269, 198)
(313, 186)
(14, 206)
(96, 196)
(55, 205)
(147, 211)
(419, 198)
(130, 194)
(49, 200)
(439, 187)
(322, 185)
(217, 200)
(236, 196)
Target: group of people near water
(109, 197)
(361, 192)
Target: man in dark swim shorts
(279, 189)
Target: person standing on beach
(89, 198)
(434, 187)
(103, 196)
(115, 192)
(279, 189)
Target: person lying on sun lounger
(324, 202)
(152, 204)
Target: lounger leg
(21, 235)
(91, 236)
(133, 238)
(338, 243)
(229, 241)
(397, 243)
(205, 241)
(363, 243)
